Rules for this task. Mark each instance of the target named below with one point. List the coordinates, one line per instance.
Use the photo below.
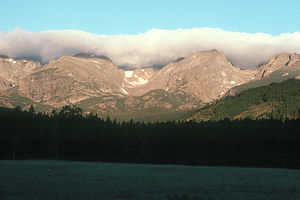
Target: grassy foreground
(83, 180)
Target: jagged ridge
(184, 84)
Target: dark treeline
(68, 135)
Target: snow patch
(124, 91)
(12, 60)
(232, 82)
(147, 75)
(140, 81)
(128, 74)
(95, 61)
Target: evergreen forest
(69, 135)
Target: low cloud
(155, 47)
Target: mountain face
(277, 62)
(276, 101)
(12, 71)
(280, 68)
(70, 80)
(280, 75)
(96, 84)
(206, 75)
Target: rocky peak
(100, 72)
(199, 58)
(87, 55)
(199, 77)
(293, 59)
(71, 79)
(13, 70)
(205, 74)
(277, 62)
(206, 55)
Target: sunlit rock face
(96, 83)
(12, 71)
(277, 62)
(205, 74)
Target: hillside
(277, 100)
(277, 76)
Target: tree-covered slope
(277, 76)
(277, 100)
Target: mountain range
(97, 85)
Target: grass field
(104, 181)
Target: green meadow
(87, 180)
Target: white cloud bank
(155, 47)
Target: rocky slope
(279, 61)
(70, 80)
(280, 75)
(96, 84)
(207, 75)
(280, 68)
(12, 71)
(277, 101)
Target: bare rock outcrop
(205, 74)
(13, 70)
(97, 83)
(71, 80)
(277, 62)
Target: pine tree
(31, 109)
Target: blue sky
(146, 33)
(133, 17)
